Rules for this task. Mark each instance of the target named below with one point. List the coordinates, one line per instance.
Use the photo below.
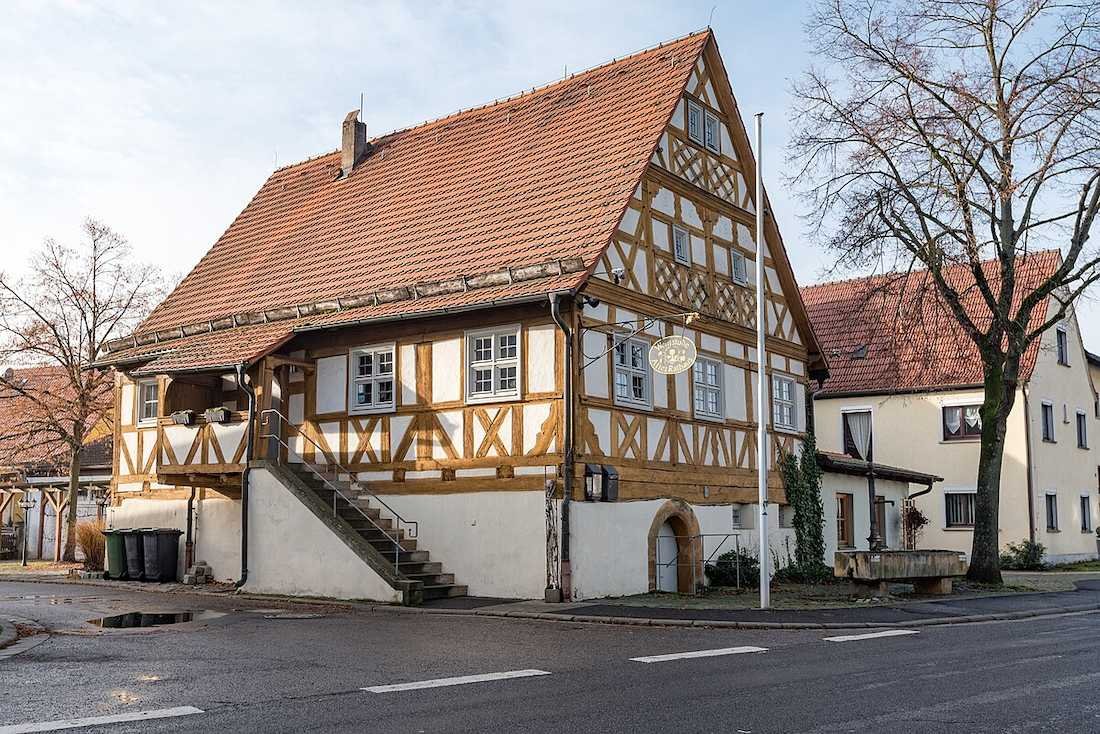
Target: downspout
(1030, 468)
(244, 384)
(189, 545)
(567, 463)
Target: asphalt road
(253, 670)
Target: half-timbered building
(419, 365)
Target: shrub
(1027, 555)
(724, 570)
(92, 543)
(913, 522)
(816, 573)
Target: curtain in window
(973, 417)
(952, 418)
(859, 427)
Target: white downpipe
(761, 374)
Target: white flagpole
(761, 374)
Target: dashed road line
(698, 654)
(60, 724)
(871, 635)
(457, 681)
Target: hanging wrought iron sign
(672, 355)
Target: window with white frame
(695, 121)
(492, 364)
(783, 407)
(708, 388)
(372, 379)
(148, 401)
(740, 268)
(681, 245)
(959, 509)
(631, 362)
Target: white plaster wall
(493, 542)
(216, 528)
(292, 552)
(406, 373)
(540, 358)
(446, 370)
(332, 384)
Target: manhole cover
(131, 620)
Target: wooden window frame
(845, 520)
(685, 258)
(845, 433)
(778, 402)
(969, 507)
(630, 371)
(141, 418)
(354, 379)
(494, 364)
(706, 388)
(964, 434)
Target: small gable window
(371, 384)
(681, 245)
(148, 401)
(712, 138)
(740, 268)
(1063, 345)
(695, 121)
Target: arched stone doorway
(675, 526)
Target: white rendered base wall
(493, 542)
(610, 542)
(216, 528)
(292, 552)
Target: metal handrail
(398, 520)
(698, 541)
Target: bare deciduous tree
(62, 314)
(953, 132)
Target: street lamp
(26, 504)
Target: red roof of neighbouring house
(32, 399)
(510, 200)
(893, 333)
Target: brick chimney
(353, 143)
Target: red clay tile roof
(25, 438)
(540, 178)
(891, 333)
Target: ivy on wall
(802, 481)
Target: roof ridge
(899, 273)
(509, 98)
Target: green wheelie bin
(116, 553)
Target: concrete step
(432, 579)
(444, 591)
(413, 568)
(384, 545)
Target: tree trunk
(1000, 395)
(74, 494)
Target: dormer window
(681, 245)
(695, 122)
(712, 139)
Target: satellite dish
(672, 355)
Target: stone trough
(930, 571)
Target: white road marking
(698, 654)
(98, 720)
(871, 635)
(457, 681)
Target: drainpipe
(189, 545)
(243, 383)
(1030, 469)
(567, 464)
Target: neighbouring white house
(419, 366)
(905, 386)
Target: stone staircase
(412, 562)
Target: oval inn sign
(672, 355)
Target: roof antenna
(710, 20)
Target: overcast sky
(163, 119)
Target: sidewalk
(956, 610)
